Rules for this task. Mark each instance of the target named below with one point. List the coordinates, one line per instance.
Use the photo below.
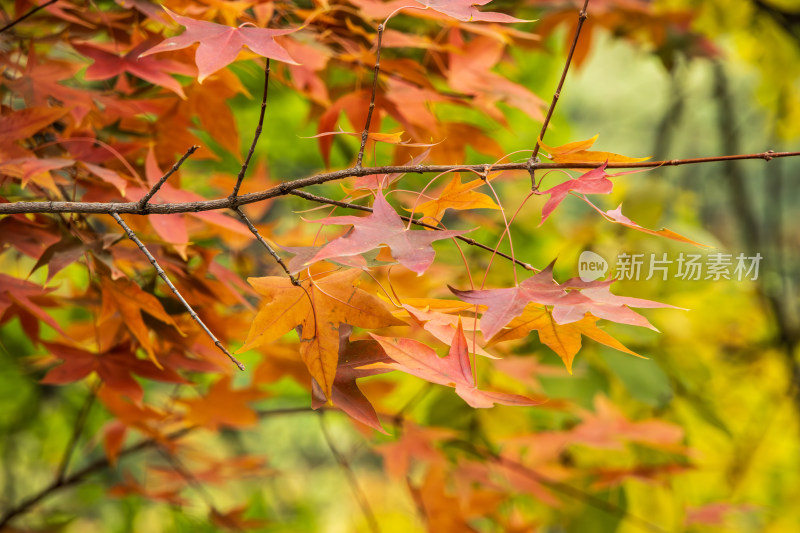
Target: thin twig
(146, 198)
(471, 242)
(256, 135)
(557, 93)
(76, 433)
(26, 15)
(77, 478)
(132, 236)
(100, 464)
(365, 133)
(351, 478)
(287, 187)
(266, 245)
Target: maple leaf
(114, 366)
(577, 152)
(36, 170)
(470, 72)
(147, 419)
(616, 216)
(571, 301)
(388, 138)
(345, 393)
(130, 486)
(129, 300)
(38, 84)
(318, 308)
(23, 123)
(23, 298)
(29, 235)
(606, 478)
(453, 370)
(608, 428)
(466, 11)
(209, 103)
(354, 105)
(442, 511)
(234, 520)
(219, 45)
(564, 339)
(411, 248)
(443, 326)
(223, 406)
(593, 182)
(714, 514)
(414, 442)
(69, 249)
(109, 64)
(502, 305)
(456, 195)
(217, 470)
(304, 255)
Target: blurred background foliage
(726, 371)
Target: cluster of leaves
(98, 102)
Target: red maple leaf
(345, 393)
(593, 182)
(466, 11)
(571, 301)
(412, 249)
(107, 65)
(453, 370)
(219, 45)
(114, 366)
(23, 298)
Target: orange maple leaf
(318, 307)
(223, 406)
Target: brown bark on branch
(283, 189)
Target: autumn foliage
(158, 229)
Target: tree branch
(76, 433)
(365, 133)
(557, 93)
(271, 251)
(100, 464)
(256, 135)
(172, 287)
(26, 15)
(146, 198)
(132, 208)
